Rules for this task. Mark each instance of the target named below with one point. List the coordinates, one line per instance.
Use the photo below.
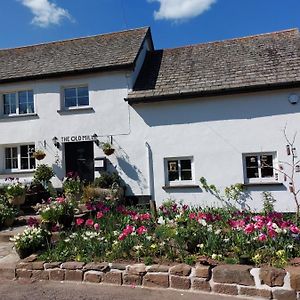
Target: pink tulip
(141, 230)
(294, 229)
(192, 216)
(121, 237)
(96, 226)
(249, 228)
(79, 221)
(60, 200)
(89, 222)
(262, 237)
(271, 233)
(259, 224)
(99, 215)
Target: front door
(79, 158)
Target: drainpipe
(151, 180)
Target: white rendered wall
(216, 131)
(108, 116)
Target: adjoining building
(216, 110)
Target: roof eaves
(120, 67)
(211, 93)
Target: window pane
(69, 102)
(30, 96)
(83, 101)
(70, 93)
(11, 158)
(173, 171)
(6, 109)
(6, 99)
(30, 108)
(186, 169)
(8, 165)
(186, 175)
(24, 163)
(252, 166)
(266, 166)
(9, 101)
(14, 152)
(14, 163)
(22, 97)
(22, 108)
(24, 151)
(83, 92)
(32, 163)
(186, 164)
(31, 149)
(6, 104)
(7, 152)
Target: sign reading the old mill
(78, 138)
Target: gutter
(128, 66)
(212, 93)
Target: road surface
(23, 290)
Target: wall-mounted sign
(78, 138)
(100, 164)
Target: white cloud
(45, 12)
(181, 9)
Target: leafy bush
(14, 188)
(30, 241)
(6, 210)
(56, 210)
(72, 185)
(43, 173)
(107, 180)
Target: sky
(173, 22)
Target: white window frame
(16, 170)
(179, 182)
(260, 179)
(17, 113)
(74, 87)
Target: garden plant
(110, 232)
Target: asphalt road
(23, 290)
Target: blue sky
(173, 22)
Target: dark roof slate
(106, 51)
(261, 60)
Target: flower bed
(108, 232)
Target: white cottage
(215, 110)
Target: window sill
(183, 186)
(250, 184)
(6, 172)
(76, 110)
(22, 116)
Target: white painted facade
(214, 131)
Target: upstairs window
(20, 158)
(179, 170)
(259, 167)
(18, 103)
(76, 96)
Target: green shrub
(107, 180)
(43, 173)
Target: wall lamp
(56, 142)
(95, 139)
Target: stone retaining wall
(268, 282)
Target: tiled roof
(106, 51)
(205, 69)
